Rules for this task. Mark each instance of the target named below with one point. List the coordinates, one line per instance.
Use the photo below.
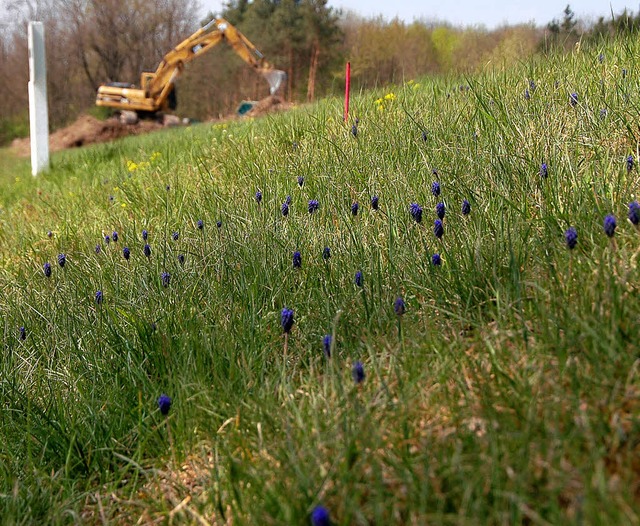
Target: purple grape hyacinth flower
(610, 225)
(288, 200)
(354, 130)
(107, 239)
(357, 372)
(466, 207)
(326, 345)
(435, 186)
(630, 163)
(284, 209)
(313, 206)
(99, 297)
(126, 253)
(571, 238)
(258, 197)
(416, 212)
(62, 260)
(286, 319)
(175, 236)
(23, 333)
(49, 234)
(359, 279)
(544, 170)
(165, 278)
(326, 253)
(354, 209)
(219, 224)
(200, 224)
(98, 249)
(436, 260)
(634, 213)
(320, 516)
(438, 229)
(399, 306)
(300, 181)
(375, 202)
(147, 250)
(440, 210)
(181, 259)
(573, 99)
(46, 268)
(145, 235)
(164, 404)
(297, 260)
(114, 236)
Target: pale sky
(490, 13)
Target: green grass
(508, 393)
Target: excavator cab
(146, 79)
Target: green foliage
(101, 112)
(445, 42)
(567, 32)
(507, 393)
(13, 128)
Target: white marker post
(38, 111)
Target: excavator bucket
(275, 78)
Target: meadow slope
(426, 315)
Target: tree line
(89, 42)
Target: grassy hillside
(479, 370)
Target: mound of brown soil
(87, 130)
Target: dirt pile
(87, 130)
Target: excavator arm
(155, 88)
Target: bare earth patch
(89, 130)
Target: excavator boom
(155, 88)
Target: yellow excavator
(156, 92)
